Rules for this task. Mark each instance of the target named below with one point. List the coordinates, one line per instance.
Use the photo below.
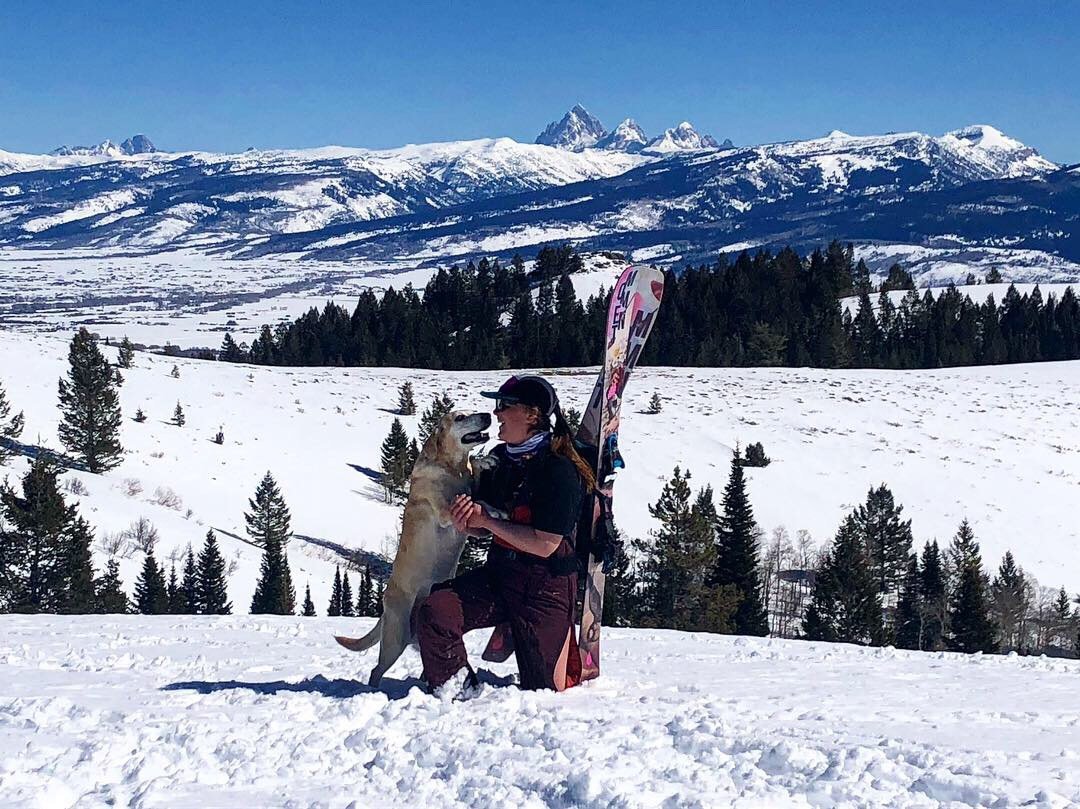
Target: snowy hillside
(186, 712)
(996, 445)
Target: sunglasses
(503, 404)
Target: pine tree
(1061, 616)
(334, 610)
(908, 623)
(90, 406)
(365, 595)
(80, 595)
(309, 605)
(378, 598)
(1009, 593)
(174, 593)
(175, 372)
(347, 606)
(886, 539)
(189, 585)
(178, 416)
(268, 526)
(34, 548)
(111, 598)
(654, 405)
(933, 600)
(230, 351)
(971, 628)
(11, 428)
(573, 419)
(846, 604)
(140, 417)
(125, 358)
(737, 556)
(395, 460)
(406, 403)
(429, 421)
(151, 592)
(212, 587)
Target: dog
(430, 546)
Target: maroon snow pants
(538, 606)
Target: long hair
(562, 443)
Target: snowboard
(631, 314)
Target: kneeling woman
(529, 580)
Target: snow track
(256, 711)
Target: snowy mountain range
(966, 200)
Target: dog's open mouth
(478, 437)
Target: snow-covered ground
(996, 445)
(242, 711)
(188, 299)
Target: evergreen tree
(90, 406)
(213, 594)
(473, 554)
(34, 547)
(365, 595)
(1062, 620)
(110, 595)
(268, 517)
(429, 421)
(1009, 593)
(406, 403)
(178, 416)
(737, 556)
(933, 600)
(334, 609)
(175, 372)
(80, 595)
(125, 357)
(140, 417)
(174, 593)
(395, 460)
(378, 598)
(846, 604)
(971, 628)
(654, 405)
(994, 276)
(11, 428)
(151, 592)
(908, 611)
(230, 351)
(676, 587)
(189, 586)
(886, 539)
(573, 419)
(309, 605)
(347, 607)
(621, 601)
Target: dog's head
(456, 436)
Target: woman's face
(516, 422)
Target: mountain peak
(577, 130)
(626, 137)
(682, 138)
(136, 144)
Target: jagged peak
(576, 130)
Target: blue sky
(223, 76)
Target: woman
(529, 580)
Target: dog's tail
(364, 643)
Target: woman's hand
(466, 513)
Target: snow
(103, 203)
(1005, 434)
(192, 712)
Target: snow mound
(268, 711)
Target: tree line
(712, 570)
(762, 309)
